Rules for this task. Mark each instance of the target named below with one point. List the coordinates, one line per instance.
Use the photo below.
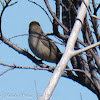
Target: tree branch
(42, 9)
(21, 51)
(47, 4)
(68, 52)
(85, 49)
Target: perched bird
(41, 45)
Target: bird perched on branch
(41, 45)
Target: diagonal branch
(68, 52)
(54, 16)
(21, 51)
(42, 9)
(6, 70)
(85, 49)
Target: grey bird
(41, 45)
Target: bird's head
(35, 27)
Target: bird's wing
(49, 44)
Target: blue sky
(19, 84)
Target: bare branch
(42, 9)
(78, 70)
(6, 5)
(47, 4)
(90, 12)
(85, 49)
(64, 6)
(50, 69)
(36, 37)
(5, 1)
(23, 67)
(38, 68)
(13, 3)
(18, 49)
(6, 71)
(68, 52)
(36, 90)
(2, 3)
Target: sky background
(22, 84)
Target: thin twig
(7, 5)
(54, 16)
(64, 6)
(42, 9)
(90, 11)
(38, 68)
(50, 69)
(98, 7)
(23, 67)
(6, 71)
(21, 51)
(34, 36)
(5, 1)
(78, 70)
(13, 3)
(36, 90)
(85, 49)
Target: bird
(41, 45)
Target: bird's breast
(40, 50)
